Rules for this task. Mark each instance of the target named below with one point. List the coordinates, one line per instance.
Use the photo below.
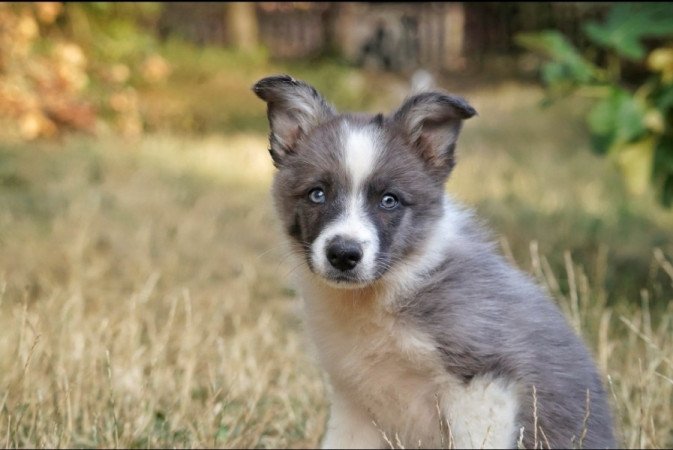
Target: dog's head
(357, 193)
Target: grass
(144, 302)
(209, 88)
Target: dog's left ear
(431, 122)
(294, 108)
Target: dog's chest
(390, 369)
(395, 372)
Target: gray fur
(432, 121)
(485, 316)
(294, 109)
(489, 318)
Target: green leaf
(664, 98)
(663, 157)
(616, 119)
(600, 143)
(553, 73)
(567, 63)
(666, 195)
(628, 23)
(662, 172)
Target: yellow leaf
(635, 161)
(654, 120)
(661, 60)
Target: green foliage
(628, 23)
(567, 65)
(113, 32)
(631, 124)
(616, 119)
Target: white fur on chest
(392, 374)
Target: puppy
(429, 337)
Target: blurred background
(144, 297)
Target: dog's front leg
(350, 426)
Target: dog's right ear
(431, 122)
(294, 108)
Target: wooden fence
(395, 36)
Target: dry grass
(144, 302)
(144, 313)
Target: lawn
(145, 301)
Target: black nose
(344, 254)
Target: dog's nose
(344, 254)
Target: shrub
(631, 120)
(74, 66)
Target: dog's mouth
(345, 280)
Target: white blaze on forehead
(359, 158)
(360, 152)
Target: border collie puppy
(429, 337)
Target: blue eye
(389, 201)
(317, 195)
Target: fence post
(242, 27)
